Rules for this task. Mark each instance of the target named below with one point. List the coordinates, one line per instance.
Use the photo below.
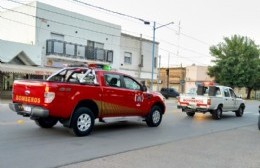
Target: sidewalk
(5, 101)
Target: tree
(236, 63)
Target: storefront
(11, 72)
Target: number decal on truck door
(139, 97)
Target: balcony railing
(72, 50)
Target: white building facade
(137, 57)
(48, 37)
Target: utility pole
(159, 70)
(178, 41)
(153, 48)
(168, 70)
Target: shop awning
(23, 69)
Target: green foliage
(237, 62)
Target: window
(94, 44)
(112, 80)
(91, 44)
(70, 49)
(109, 56)
(131, 84)
(232, 93)
(218, 93)
(128, 58)
(226, 93)
(58, 47)
(100, 54)
(80, 51)
(99, 45)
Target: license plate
(27, 108)
(192, 106)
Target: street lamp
(153, 52)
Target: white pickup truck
(213, 99)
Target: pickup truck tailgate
(193, 101)
(28, 92)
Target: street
(179, 141)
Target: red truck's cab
(76, 96)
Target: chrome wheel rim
(156, 116)
(84, 122)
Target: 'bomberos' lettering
(28, 99)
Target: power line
(187, 49)
(84, 28)
(115, 12)
(41, 18)
(69, 35)
(183, 57)
(189, 36)
(64, 15)
(137, 49)
(133, 17)
(190, 50)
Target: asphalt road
(179, 141)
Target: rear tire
(48, 122)
(217, 114)
(240, 111)
(82, 121)
(259, 122)
(190, 114)
(154, 118)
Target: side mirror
(144, 88)
(259, 109)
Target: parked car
(169, 92)
(259, 118)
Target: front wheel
(240, 112)
(154, 118)
(82, 121)
(48, 122)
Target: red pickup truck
(76, 96)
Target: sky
(198, 24)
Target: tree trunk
(249, 93)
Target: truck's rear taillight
(49, 97)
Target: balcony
(76, 51)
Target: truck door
(113, 103)
(228, 100)
(234, 99)
(134, 96)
